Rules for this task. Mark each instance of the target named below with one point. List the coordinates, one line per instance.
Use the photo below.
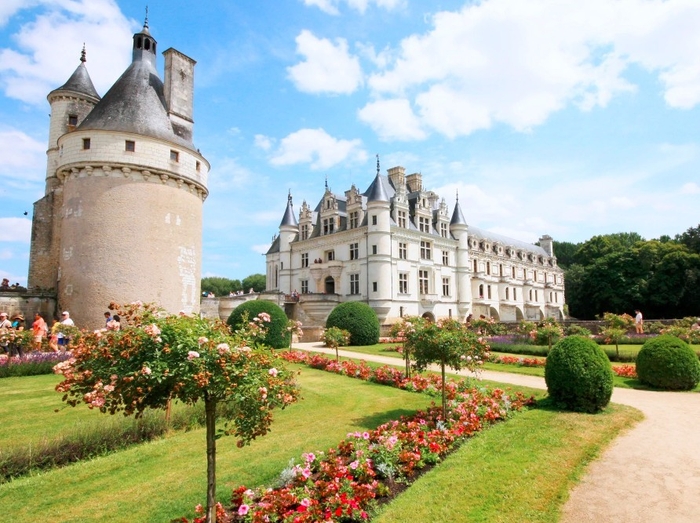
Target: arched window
(507, 293)
(481, 291)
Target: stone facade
(121, 219)
(397, 248)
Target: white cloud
(260, 248)
(318, 148)
(514, 62)
(263, 142)
(690, 188)
(24, 158)
(15, 230)
(392, 119)
(229, 174)
(327, 68)
(331, 6)
(37, 64)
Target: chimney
(179, 92)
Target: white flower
(272, 372)
(192, 355)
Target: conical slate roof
(289, 218)
(376, 191)
(80, 81)
(457, 216)
(136, 103)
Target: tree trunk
(210, 412)
(407, 357)
(444, 400)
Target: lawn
(507, 473)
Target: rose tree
(447, 343)
(156, 359)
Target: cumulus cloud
(317, 148)
(690, 188)
(24, 158)
(263, 142)
(513, 62)
(327, 68)
(37, 63)
(393, 119)
(15, 230)
(331, 6)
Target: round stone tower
(128, 223)
(460, 231)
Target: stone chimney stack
(178, 89)
(547, 243)
(415, 182)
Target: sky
(556, 117)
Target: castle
(396, 247)
(121, 218)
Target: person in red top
(39, 329)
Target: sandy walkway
(650, 474)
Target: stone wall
(28, 304)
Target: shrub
(278, 337)
(577, 330)
(579, 375)
(667, 362)
(358, 319)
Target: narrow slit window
(130, 146)
(86, 144)
(174, 156)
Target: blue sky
(565, 118)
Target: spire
(376, 191)
(83, 58)
(80, 81)
(378, 170)
(144, 47)
(289, 218)
(457, 216)
(145, 22)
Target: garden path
(650, 474)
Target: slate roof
(80, 81)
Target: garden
(350, 441)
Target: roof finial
(145, 22)
(82, 54)
(378, 170)
(326, 182)
(289, 197)
(457, 192)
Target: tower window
(86, 144)
(174, 156)
(72, 120)
(130, 146)
(198, 166)
(374, 219)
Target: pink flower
(265, 317)
(146, 371)
(109, 388)
(202, 340)
(305, 502)
(223, 348)
(365, 435)
(272, 372)
(152, 330)
(263, 392)
(354, 465)
(243, 510)
(192, 355)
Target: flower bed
(625, 371)
(31, 364)
(345, 483)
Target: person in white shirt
(639, 322)
(62, 339)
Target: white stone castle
(397, 248)
(121, 219)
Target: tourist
(108, 318)
(16, 340)
(39, 330)
(64, 340)
(5, 331)
(53, 339)
(114, 324)
(638, 322)
(5, 285)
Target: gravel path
(650, 474)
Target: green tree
(691, 239)
(565, 253)
(158, 358)
(257, 282)
(220, 286)
(447, 343)
(335, 337)
(602, 245)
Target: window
(130, 146)
(330, 255)
(328, 225)
(425, 248)
(507, 293)
(515, 293)
(403, 251)
(423, 281)
(402, 219)
(534, 275)
(374, 249)
(86, 144)
(304, 286)
(198, 166)
(305, 259)
(354, 284)
(481, 291)
(476, 266)
(488, 267)
(374, 286)
(512, 272)
(423, 224)
(305, 232)
(488, 291)
(374, 219)
(536, 298)
(354, 251)
(174, 156)
(445, 258)
(443, 230)
(403, 283)
(529, 294)
(354, 217)
(445, 286)
(500, 269)
(73, 120)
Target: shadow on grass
(372, 421)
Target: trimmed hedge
(358, 319)
(578, 374)
(668, 363)
(278, 337)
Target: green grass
(521, 470)
(165, 479)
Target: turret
(378, 244)
(460, 231)
(289, 229)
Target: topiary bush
(578, 374)
(358, 319)
(278, 336)
(667, 362)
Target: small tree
(156, 358)
(334, 338)
(447, 343)
(616, 327)
(294, 329)
(548, 329)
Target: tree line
(622, 272)
(223, 286)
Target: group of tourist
(5, 286)
(11, 342)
